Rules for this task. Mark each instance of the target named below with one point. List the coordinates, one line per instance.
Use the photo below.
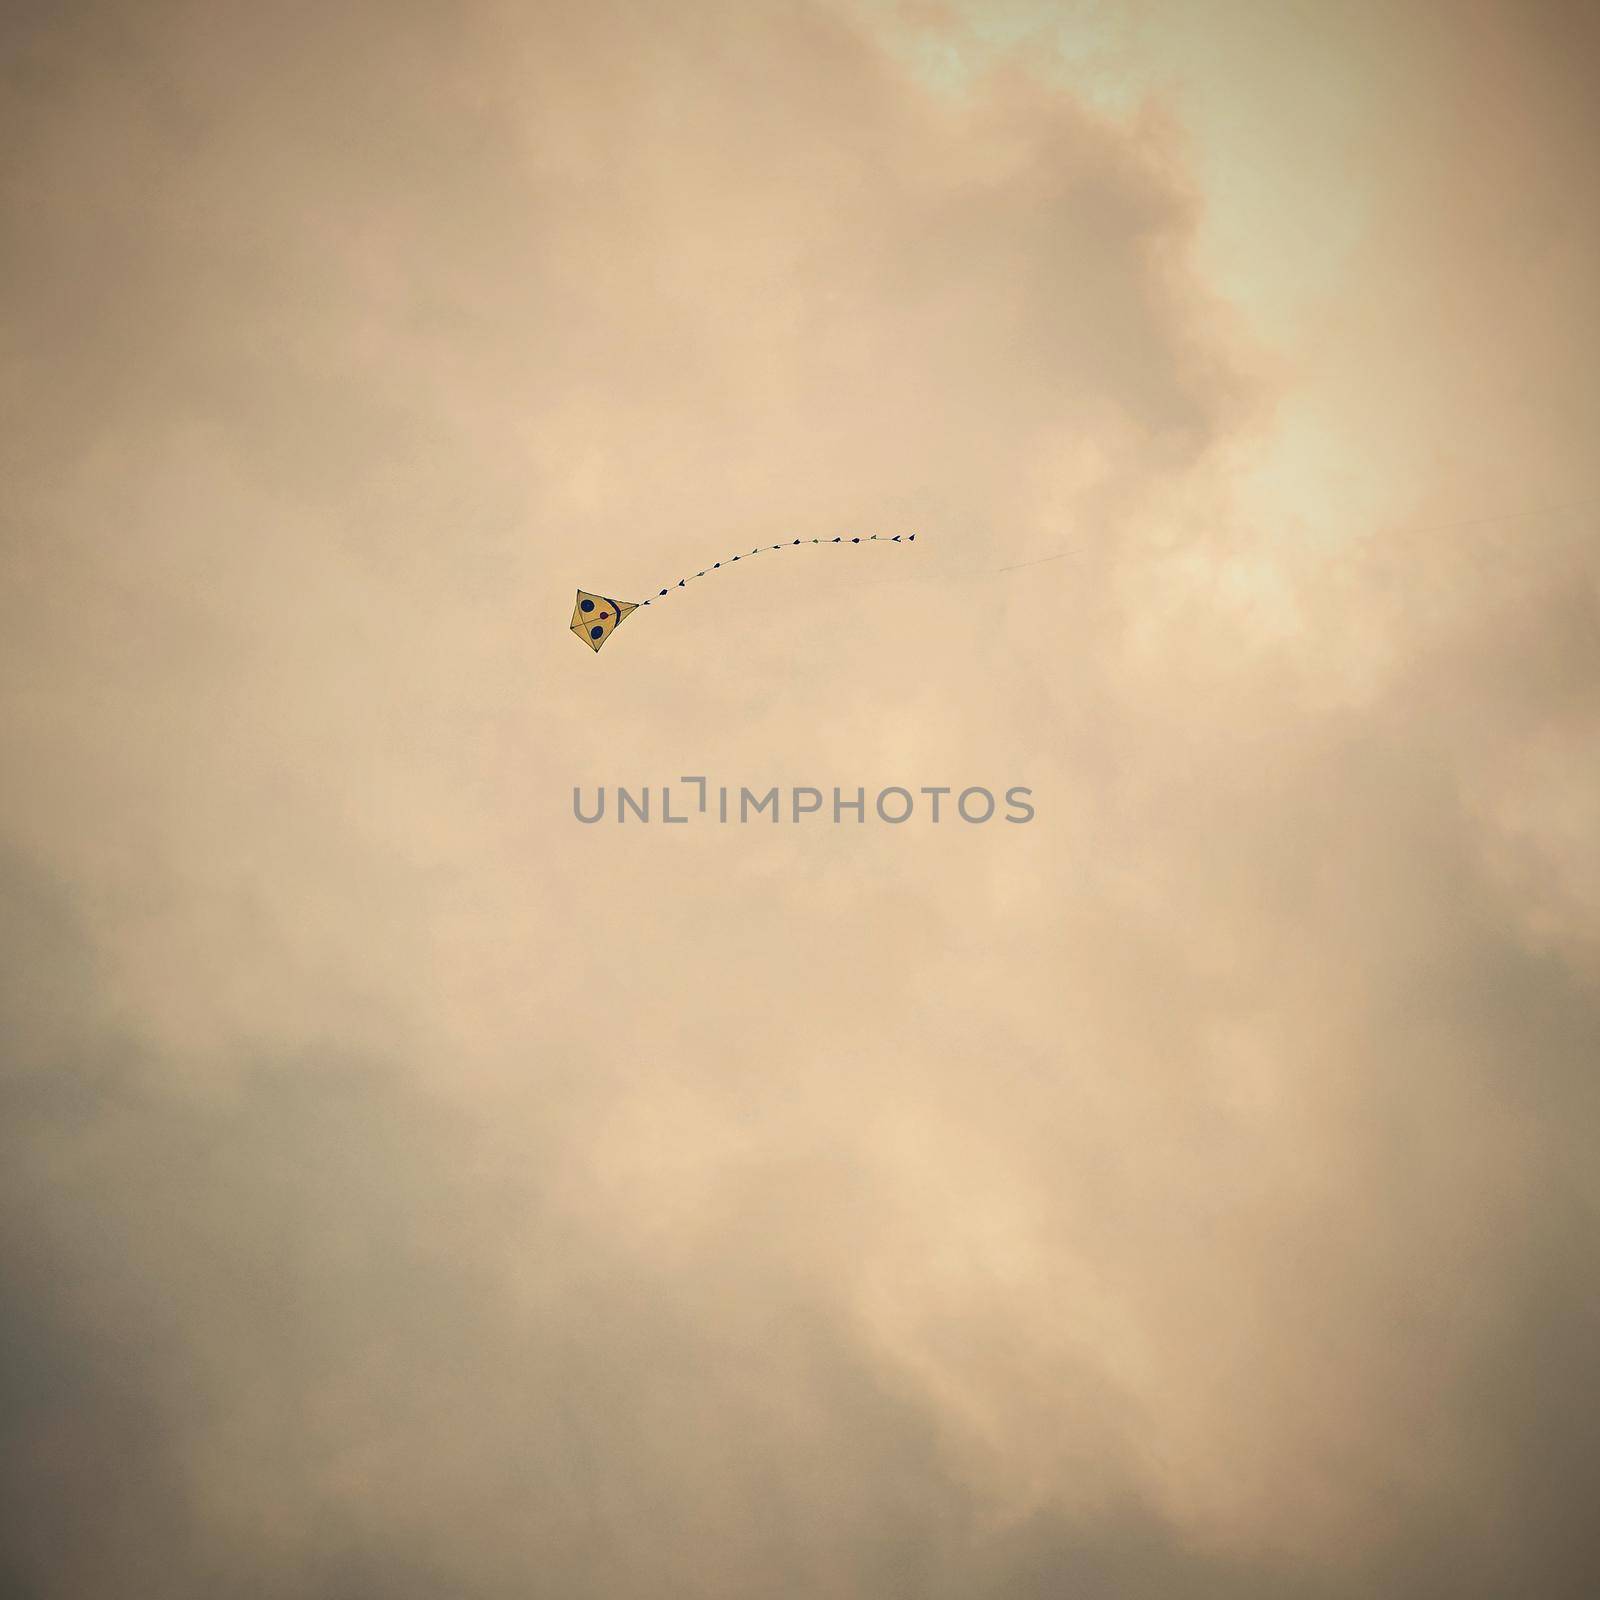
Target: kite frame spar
(596, 617)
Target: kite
(595, 617)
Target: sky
(407, 1189)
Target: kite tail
(728, 561)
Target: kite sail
(595, 617)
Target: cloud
(407, 1190)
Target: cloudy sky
(406, 1190)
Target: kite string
(1060, 555)
(728, 561)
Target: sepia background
(407, 1191)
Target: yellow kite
(595, 616)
